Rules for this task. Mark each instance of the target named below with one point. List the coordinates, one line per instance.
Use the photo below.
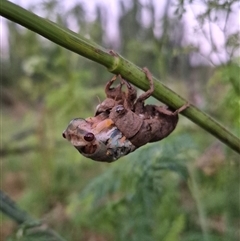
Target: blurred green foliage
(183, 188)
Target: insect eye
(119, 109)
(63, 135)
(89, 137)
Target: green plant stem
(115, 64)
(29, 226)
(8, 207)
(193, 187)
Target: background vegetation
(183, 188)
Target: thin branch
(194, 189)
(227, 17)
(207, 36)
(115, 64)
(17, 150)
(29, 226)
(8, 207)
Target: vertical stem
(193, 186)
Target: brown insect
(122, 123)
(138, 122)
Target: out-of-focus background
(185, 187)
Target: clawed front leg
(130, 96)
(113, 93)
(139, 105)
(148, 93)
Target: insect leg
(113, 93)
(130, 96)
(139, 105)
(182, 108)
(148, 93)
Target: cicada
(122, 123)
